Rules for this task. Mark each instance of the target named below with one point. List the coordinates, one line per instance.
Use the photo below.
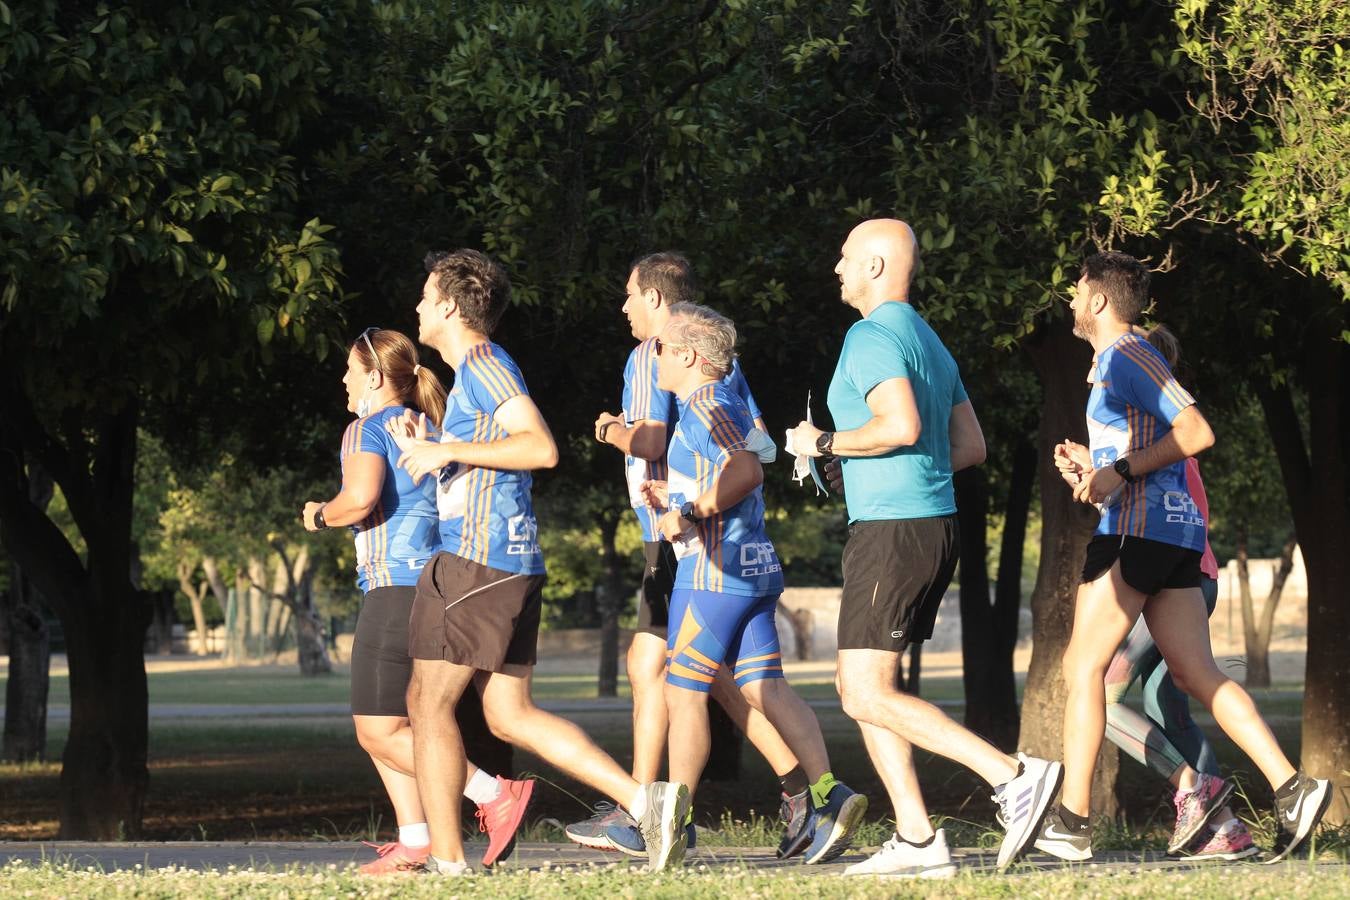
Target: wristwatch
(825, 443)
(687, 511)
(319, 523)
(1122, 467)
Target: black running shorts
(381, 666)
(474, 615)
(658, 580)
(895, 573)
(1145, 565)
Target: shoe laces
(602, 809)
(382, 850)
(482, 814)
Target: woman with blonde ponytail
(397, 530)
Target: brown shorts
(474, 616)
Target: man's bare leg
(387, 739)
(1104, 612)
(647, 678)
(762, 734)
(438, 750)
(792, 722)
(867, 689)
(893, 758)
(513, 717)
(1179, 617)
(689, 719)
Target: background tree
(150, 238)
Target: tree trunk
(1258, 664)
(257, 640)
(910, 682)
(298, 580)
(977, 623)
(1061, 362)
(608, 599)
(1319, 497)
(29, 648)
(1003, 711)
(195, 593)
(29, 665)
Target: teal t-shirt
(909, 482)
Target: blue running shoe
(628, 839)
(591, 832)
(834, 824)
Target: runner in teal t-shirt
(904, 426)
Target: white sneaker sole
(1015, 844)
(1066, 852)
(1232, 856)
(947, 870)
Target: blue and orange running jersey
(486, 514)
(401, 533)
(728, 552)
(643, 399)
(1133, 403)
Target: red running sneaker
(501, 818)
(395, 859)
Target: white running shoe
(1060, 840)
(1022, 804)
(898, 858)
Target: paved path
(283, 856)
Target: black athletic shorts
(475, 616)
(1145, 565)
(658, 580)
(895, 573)
(381, 666)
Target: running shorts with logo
(1147, 566)
(716, 629)
(475, 616)
(895, 573)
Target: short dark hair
(475, 282)
(669, 272)
(1123, 279)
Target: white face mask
(363, 406)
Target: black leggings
(381, 666)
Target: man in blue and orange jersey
(729, 578)
(1145, 558)
(475, 618)
(641, 431)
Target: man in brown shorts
(475, 618)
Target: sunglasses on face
(662, 345)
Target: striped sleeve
(721, 431)
(736, 381)
(1138, 374)
(363, 436)
(492, 379)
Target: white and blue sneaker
(663, 823)
(1023, 802)
(898, 858)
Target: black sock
(1289, 787)
(916, 843)
(1072, 820)
(794, 782)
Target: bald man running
(905, 425)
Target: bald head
(877, 263)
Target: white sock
(414, 835)
(445, 866)
(1227, 827)
(638, 807)
(482, 787)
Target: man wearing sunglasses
(475, 618)
(641, 431)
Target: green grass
(692, 883)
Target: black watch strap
(318, 518)
(687, 511)
(1122, 467)
(825, 443)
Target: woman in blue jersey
(397, 530)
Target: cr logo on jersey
(522, 532)
(758, 559)
(1181, 509)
